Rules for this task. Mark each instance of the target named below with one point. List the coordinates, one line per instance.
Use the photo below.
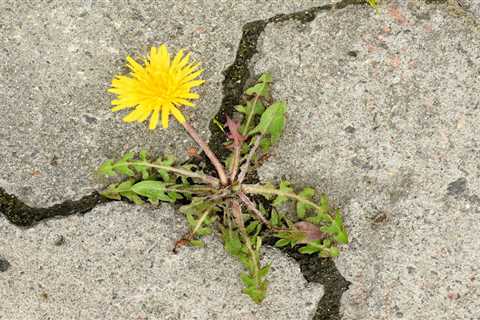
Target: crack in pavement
(22, 215)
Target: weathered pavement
(382, 116)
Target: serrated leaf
(334, 252)
(201, 232)
(342, 237)
(106, 168)
(302, 207)
(274, 218)
(197, 206)
(284, 187)
(257, 293)
(311, 247)
(247, 280)
(232, 242)
(264, 270)
(122, 165)
(265, 144)
(153, 190)
(251, 226)
(168, 161)
(111, 193)
(130, 195)
(191, 220)
(324, 205)
(331, 229)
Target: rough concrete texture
(383, 115)
(57, 60)
(116, 262)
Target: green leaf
(265, 77)
(272, 121)
(247, 280)
(262, 87)
(106, 168)
(252, 226)
(122, 166)
(334, 252)
(265, 144)
(197, 206)
(257, 293)
(232, 242)
(132, 196)
(153, 190)
(191, 220)
(331, 229)
(264, 270)
(168, 162)
(274, 218)
(282, 243)
(284, 187)
(342, 237)
(311, 247)
(111, 193)
(324, 205)
(302, 207)
(319, 218)
(201, 232)
(197, 243)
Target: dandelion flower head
(159, 87)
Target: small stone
(353, 53)
(4, 264)
(350, 129)
(58, 240)
(457, 187)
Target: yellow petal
(177, 114)
(165, 112)
(177, 59)
(154, 119)
(164, 56)
(133, 116)
(120, 107)
(184, 61)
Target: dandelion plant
(228, 202)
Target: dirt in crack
(313, 268)
(20, 214)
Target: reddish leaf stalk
(208, 152)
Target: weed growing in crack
(225, 202)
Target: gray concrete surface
(383, 115)
(57, 61)
(116, 262)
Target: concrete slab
(383, 115)
(57, 61)
(116, 262)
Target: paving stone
(116, 262)
(383, 115)
(57, 62)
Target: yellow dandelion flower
(161, 86)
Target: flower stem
(208, 152)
